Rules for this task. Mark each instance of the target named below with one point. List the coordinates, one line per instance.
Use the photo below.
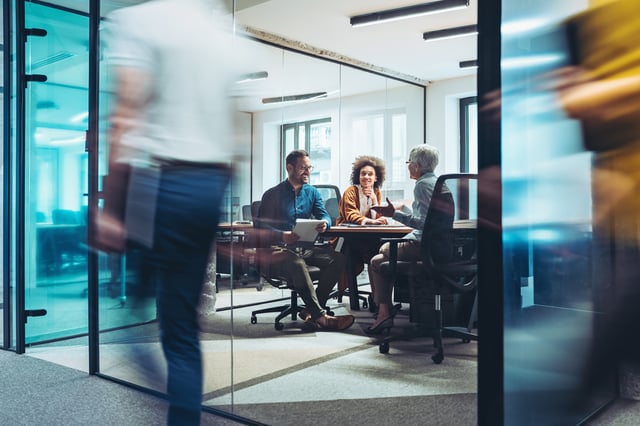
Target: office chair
(246, 212)
(448, 264)
(65, 217)
(331, 197)
(292, 308)
(255, 208)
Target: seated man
(277, 254)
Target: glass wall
(56, 170)
(549, 288)
(353, 112)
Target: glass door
(55, 173)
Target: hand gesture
(385, 210)
(290, 238)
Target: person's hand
(321, 227)
(384, 210)
(378, 221)
(290, 237)
(110, 234)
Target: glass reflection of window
(314, 136)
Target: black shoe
(392, 312)
(382, 327)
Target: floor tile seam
(283, 372)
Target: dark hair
(293, 156)
(368, 160)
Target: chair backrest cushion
(449, 240)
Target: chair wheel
(465, 340)
(254, 320)
(437, 358)
(384, 348)
(279, 326)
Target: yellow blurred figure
(603, 92)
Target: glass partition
(335, 112)
(56, 173)
(550, 291)
(286, 100)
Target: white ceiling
(396, 46)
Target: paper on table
(306, 229)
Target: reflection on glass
(547, 217)
(56, 170)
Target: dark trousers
(187, 215)
(293, 267)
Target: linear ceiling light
(407, 12)
(304, 97)
(254, 76)
(469, 64)
(450, 33)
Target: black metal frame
(8, 174)
(92, 148)
(20, 178)
(490, 299)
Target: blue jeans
(187, 215)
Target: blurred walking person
(171, 128)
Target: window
(313, 136)
(384, 134)
(469, 135)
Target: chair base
(293, 309)
(284, 310)
(436, 333)
(363, 296)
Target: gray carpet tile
(36, 392)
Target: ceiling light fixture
(407, 12)
(304, 97)
(469, 64)
(450, 33)
(253, 76)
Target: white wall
(442, 128)
(266, 143)
(443, 118)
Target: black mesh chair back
(449, 234)
(448, 262)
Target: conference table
(351, 233)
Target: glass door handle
(34, 313)
(35, 32)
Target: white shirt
(186, 48)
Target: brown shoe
(304, 315)
(337, 323)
